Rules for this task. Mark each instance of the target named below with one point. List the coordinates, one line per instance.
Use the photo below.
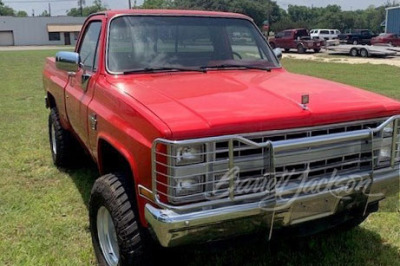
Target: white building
(18, 31)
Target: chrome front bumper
(174, 228)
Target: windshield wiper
(165, 69)
(227, 66)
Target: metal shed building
(39, 30)
(393, 20)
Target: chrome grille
(263, 159)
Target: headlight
(191, 154)
(384, 156)
(388, 131)
(187, 186)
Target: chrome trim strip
(394, 142)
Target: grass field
(43, 211)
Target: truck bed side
(55, 81)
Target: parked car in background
(386, 38)
(359, 36)
(326, 34)
(296, 39)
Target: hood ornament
(305, 99)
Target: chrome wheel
(53, 140)
(107, 236)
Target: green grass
(43, 210)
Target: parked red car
(298, 39)
(386, 38)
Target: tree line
(268, 11)
(262, 11)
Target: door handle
(85, 81)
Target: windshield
(159, 42)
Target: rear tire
(61, 145)
(117, 236)
(317, 50)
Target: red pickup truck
(298, 39)
(199, 134)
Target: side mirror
(278, 53)
(67, 61)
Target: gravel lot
(325, 57)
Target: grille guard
(272, 148)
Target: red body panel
(386, 39)
(133, 110)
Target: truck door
(79, 91)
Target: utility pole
(49, 9)
(130, 4)
(81, 7)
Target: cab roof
(171, 12)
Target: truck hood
(242, 101)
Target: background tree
(45, 13)
(157, 4)
(21, 14)
(86, 11)
(6, 10)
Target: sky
(60, 7)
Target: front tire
(301, 49)
(116, 234)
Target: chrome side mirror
(68, 61)
(278, 53)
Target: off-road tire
(62, 144)
(113, 192)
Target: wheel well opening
(112, 161)
(51, 101)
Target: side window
(324, 32)
(287, 34)
(89, 46)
